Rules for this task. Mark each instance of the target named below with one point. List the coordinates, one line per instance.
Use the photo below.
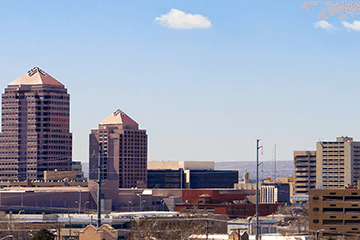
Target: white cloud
(324, 24)
(180, 20)
(352, 26)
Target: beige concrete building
(185, 165)
(35, 133)
(60, 175)
(245, 183)
(305, 171)
(334, 212)
(125, 156)
(337, 163)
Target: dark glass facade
(166, 178)
(213, 178)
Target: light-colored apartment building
(305, 171)
(337, 163)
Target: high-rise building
(337, 163)
(124, 158)
(305, 171)
(275, 193)
(35, 133)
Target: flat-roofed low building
(198, 179)
(176, 165)
(194, 175)
(166, 178)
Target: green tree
(43, 234)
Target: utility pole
(207, 229)
(99, 187)
(257, 188)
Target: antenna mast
(275, 162)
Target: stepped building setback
(35, 133)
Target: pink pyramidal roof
(118, 117)
(36, 76)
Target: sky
(204, 78)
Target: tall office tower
(337, 163)
(35, 133)
(125, 151)
(305, 171)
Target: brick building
(234, 204)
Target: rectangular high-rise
(124, 158)
(35, 133)
(305, 171)
(337, 163)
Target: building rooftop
(36, 76)
(118, 117)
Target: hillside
(283, 168)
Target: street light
(85, 205)
(139, 195)
(22, 210)
(130, 202)
(10, 213)
(143, 201)
(249, 224)
(162, 206)
(76, 202)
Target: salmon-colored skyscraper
(35, 133)
(125, 151)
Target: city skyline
(202, 91)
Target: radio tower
(275, 162)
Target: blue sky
(261, 70)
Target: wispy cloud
(180, 20)
(324, 24)
(352, 26)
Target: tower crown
(36, 76)
(118, 117)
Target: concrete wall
(175, 165)
(59, 175)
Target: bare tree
(180, 227)
(298, 216)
